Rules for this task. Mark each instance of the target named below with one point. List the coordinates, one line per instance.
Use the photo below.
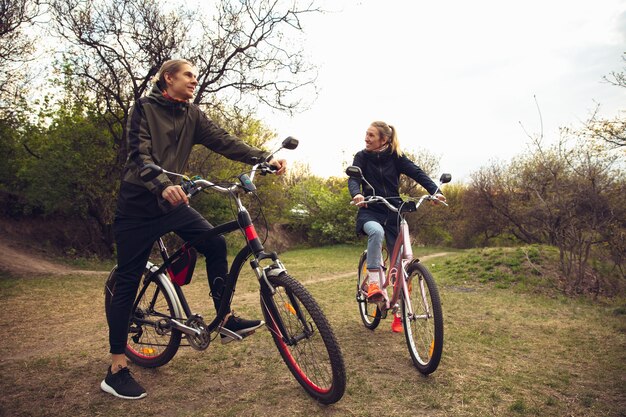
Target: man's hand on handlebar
(175, 195)
(280, 165)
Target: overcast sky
(455, 77)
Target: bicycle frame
(402, 255)
(182, 309)
(254, 247)
(396, 275)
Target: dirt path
(251, 296)
(353, 273)
(25, 262)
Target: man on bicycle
(162, 129)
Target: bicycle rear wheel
(151, 342)
(370, 314)
(424, 328)
(304, 339)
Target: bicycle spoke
(424, 327)
(304, 354)
(304, 339)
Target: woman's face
(182, 84)
(373, 139)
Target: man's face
(182, 84)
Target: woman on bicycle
(162, 129)
(382, 162)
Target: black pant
(135, 238)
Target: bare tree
(14, 16)
(617, 78)
(569, 195)
(610, 131)
(15, 45)
(116, 46)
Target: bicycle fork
(406, 290)
(272, 301)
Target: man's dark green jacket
(162, 131)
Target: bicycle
(161, 316)
(415, 292)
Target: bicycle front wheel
(423, 328)
(369, 312)
(304, 339)
(151, 340)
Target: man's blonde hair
(169, 67)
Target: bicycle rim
(304, 339)
(370, 314)
(151, 342)
(424, 328)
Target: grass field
(513, 347)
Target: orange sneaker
(374, 293)
(396, 325)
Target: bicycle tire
(423, 331)
(148, 346)
(370, 313)
(311, 352)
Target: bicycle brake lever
(265, 168)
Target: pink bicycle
(415, 296)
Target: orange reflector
(147, 351)
(290, 308)
(432, 347)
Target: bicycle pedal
(230, 334)
(227, 339)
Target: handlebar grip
(359, 204)
(189, 188)
(186, 186)
(266, 168)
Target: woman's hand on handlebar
(358, 199)
(438, 198)
(175, 195)
(280, 165)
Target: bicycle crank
(201, 339)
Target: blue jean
(376, 232)
(375, 235)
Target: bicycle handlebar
(357, 173)
(375, 199)
(193, 186)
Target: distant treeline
(61, 155)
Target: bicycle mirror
(149, 172)
(354, 171)
(290, 143)
(445, 178)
